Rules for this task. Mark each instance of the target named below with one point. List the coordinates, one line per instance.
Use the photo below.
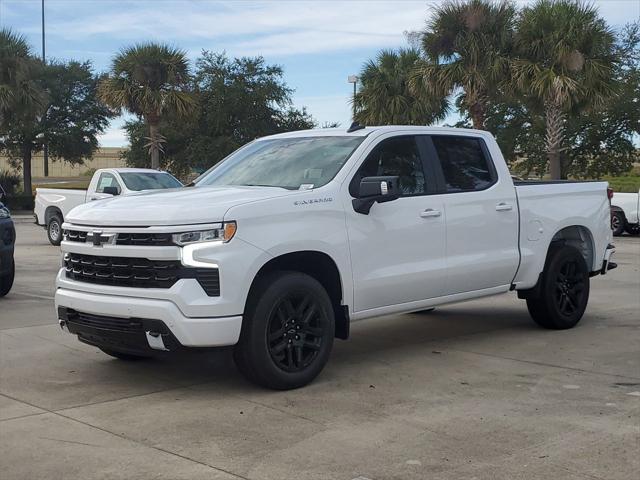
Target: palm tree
(385, 97)
(21, 97)
(566, 62)
(467, 47)
(149, 80)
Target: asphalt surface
(470, 391)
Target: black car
(7, 241)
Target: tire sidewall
(556, 259)
(256, 322)
(55, 220)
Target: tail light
(609, 194)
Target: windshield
(137, 181)
(292, 163)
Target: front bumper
(187, 331)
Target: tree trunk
(155, 145)
(26, 166)
(477, 113)
(554, 138)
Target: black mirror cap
(111, 191)
(378, 187)
(375, 189)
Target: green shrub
(9, 182)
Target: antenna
(354, 127)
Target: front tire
(617, 223)
(633, 228)
(564, 292)
(54, 230)
(287, 331)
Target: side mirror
(375, 189)
(111, 191)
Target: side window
(107, 180)
(464, 164)
(395, 156)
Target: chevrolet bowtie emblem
(98, 239)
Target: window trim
(430, 180)
(439, 172)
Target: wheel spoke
(290, 356)
(276, 335)
(291, 312)
(311, 345)
(298, 355)
(279, 347)
(308, 315)
(313, 331)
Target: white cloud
(248, 27)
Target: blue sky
(318, 43)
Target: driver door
(398, 249)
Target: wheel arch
(320, 266)
(581, 238)
(50, 212)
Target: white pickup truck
(285, 242)
(53, 204)
(625, 213)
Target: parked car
(7, 242)
(624, 213)
(279, 247)
(53, 204)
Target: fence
(106, 157)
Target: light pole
(352, 79)
(45, 148)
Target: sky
(319, 43)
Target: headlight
(4, 213)
(222, 234)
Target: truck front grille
(142, 239)
(137, 272)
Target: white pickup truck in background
(53, 204)
(281, 245)
(625, 214)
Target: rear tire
(6, 280)
(564, 292)
(287, 331)
(617, 223)
(54, 230)
(129, 357)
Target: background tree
(238, 100)
(385, 98)
(72, 118)
(150, 80)
(22, 100)
(467, 46)
(566, 63)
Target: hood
(180, 206)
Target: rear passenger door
(481, 214)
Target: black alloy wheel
(295, 332)
(570, 287)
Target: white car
(279, 247)
(624, 213)
(53, 204)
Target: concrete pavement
(473, 390)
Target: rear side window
(464, 164)
(395, 156)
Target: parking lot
(473, 390)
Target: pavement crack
(542, 364)
(70, 441)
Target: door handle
(503, 207)
(430, 212)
